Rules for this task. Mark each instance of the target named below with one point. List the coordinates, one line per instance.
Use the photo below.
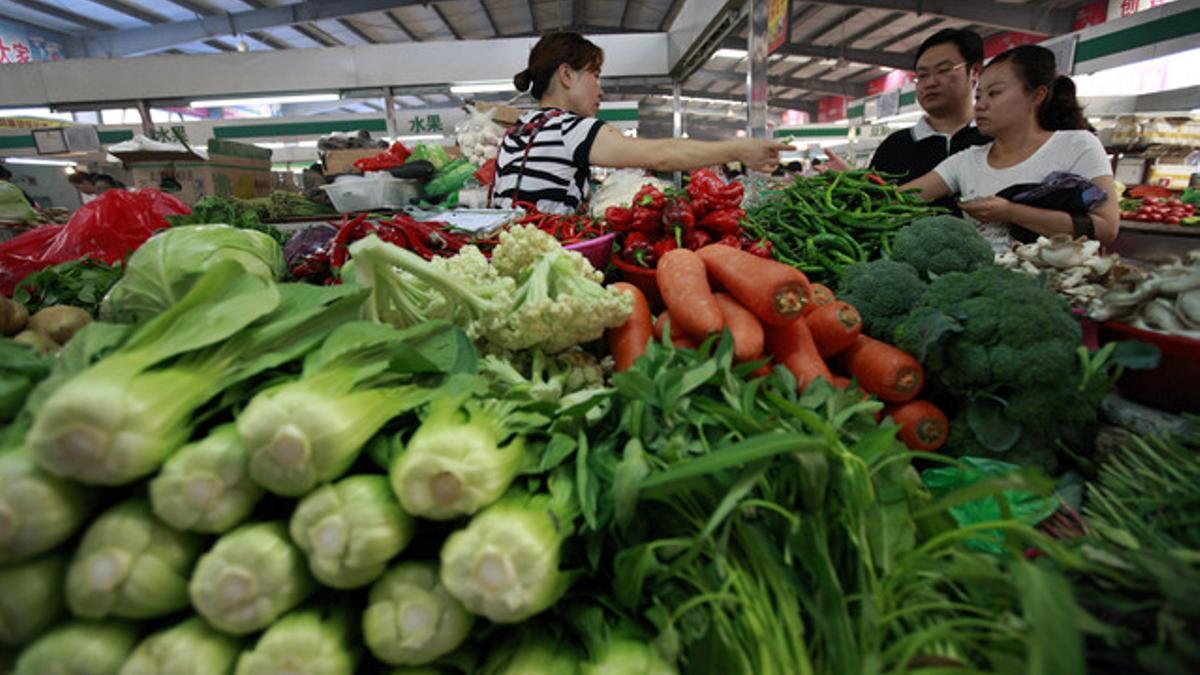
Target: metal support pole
(756, 71)
(147, 121)
(677, 118)
(389, 107)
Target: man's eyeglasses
(941, 73)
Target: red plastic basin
(1174, 385)
(646, 281)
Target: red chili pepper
(646, 220)
(662, 246)
(618, 218)
(697, 239)
(723, 222)
(760, 248)
(730, 240)
(638, 250)
(650, 197)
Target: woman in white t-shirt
(1039, 128)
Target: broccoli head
(1006, 349)
(883, 292)
(938, 245)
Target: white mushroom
(1187, 308)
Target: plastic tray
(1172, 386)
(368, 194)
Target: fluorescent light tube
(730, 53)
(265, 100)
(480, 87)
(421, 137)
(37, 161)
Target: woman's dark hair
(968, 42)
(5, 174)
(553, 50)
(1035, 67)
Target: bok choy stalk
(304, 641)
(249, 579)
(350, 530)
(38, 511)
(79, 648)
(130, 565)
(411, 619)
(205, 485)
(504, 564)
(31, 598)
(119, 419)
(187, 648)
(627, 656)
(454, 464)
(310, 430)
(531, 653)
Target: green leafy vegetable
(81, 283)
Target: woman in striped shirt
(545, 158)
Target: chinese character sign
(21, 45)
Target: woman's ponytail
(522, 80)
(1061, 110)
(1036, 67)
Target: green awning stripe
(817, 132)
(298, 128)
(618, 115)
(1178, 25)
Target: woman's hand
(989, 209)
(761, 155)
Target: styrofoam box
(353, 193)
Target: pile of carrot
(775, 315)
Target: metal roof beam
(358, 32)
(60, 13)
(449, 26)
(148, 38)
(401, 27)
(867, 57)
(487, 13)
(834, 87)
(642, 90)
(669, 16)
(1029, 18)
(136, 12)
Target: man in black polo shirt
(948, 65)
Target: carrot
(659, 322)
(746, 330)
(922, 425)
(886, 371)
(793, 346)
(834, 327)
(684, 286)
(684, 342)
(628, 341)
(774, 292)
(821, 295)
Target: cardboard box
(231, 170)
(503, 114)
(342, 161)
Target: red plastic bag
(107, 228)
(486, 173)
(388, 159)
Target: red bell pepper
(638, 250)
(650, 197)
(760, 248)
(662, 246)
(646, 220)
(678, 218)
(618, 218)
(730, 240)
(697, 239)
(723, 222)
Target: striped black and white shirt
(556, 173)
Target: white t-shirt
(968, 175)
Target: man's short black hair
(5, 174)
(969, 44)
